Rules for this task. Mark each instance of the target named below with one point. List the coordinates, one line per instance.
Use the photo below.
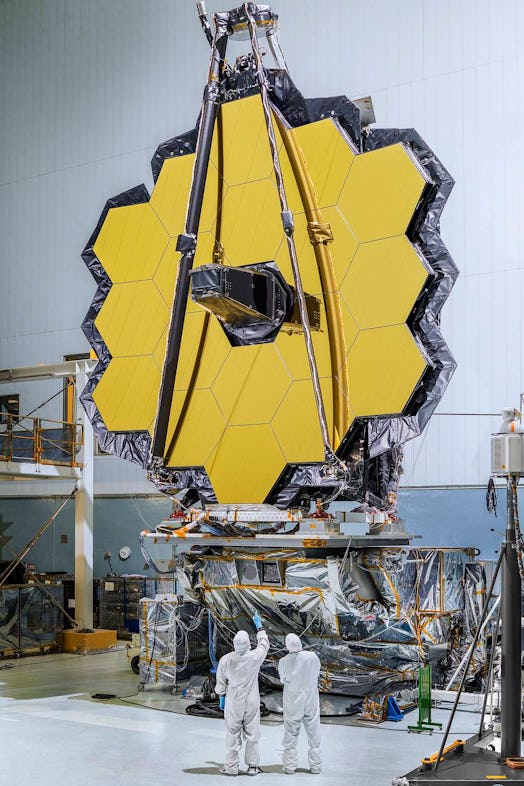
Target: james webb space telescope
(266, 325)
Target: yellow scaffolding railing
(41, 441)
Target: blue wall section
(439, 517)
(453, 517)
(118, 522)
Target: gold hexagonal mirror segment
(296, 424)
(251, 229)
(246, 464)
(195, 427)
(390, 269)
(328, 155)
(132, 318)
(245, 155)
(381, 192)
(136, 379)
(384, 365)
(131, 243)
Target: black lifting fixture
(473, 761)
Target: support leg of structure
(511, 634)
(84, 529)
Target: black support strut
(511, 635)
(186, 244)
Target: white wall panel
(88, 90)
(112, 477)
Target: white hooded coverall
(299, 672)
(237, 678)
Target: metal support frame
(511, 632)
(84, 490)
(69, 368)
(470, 761)
(470, 656)
(279, 540)
(84, 527)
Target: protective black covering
(299, 111)
(178, 146)
(119, 599)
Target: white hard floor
(52, 732)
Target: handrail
(40, 440)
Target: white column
(84, 522)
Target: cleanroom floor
(53, 732)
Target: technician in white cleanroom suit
(237, 682)
(299, 672)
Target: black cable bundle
(491, 497)
(210, 709)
